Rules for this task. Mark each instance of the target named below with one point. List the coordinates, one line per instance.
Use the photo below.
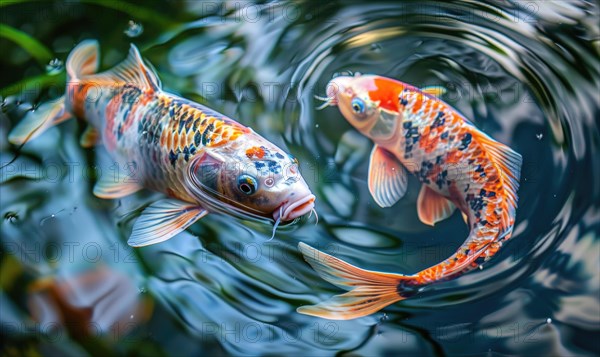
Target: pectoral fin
(387, 177)
(118, 183)
(163, 220)
(433, 207)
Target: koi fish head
(254, 178)
(370, 103)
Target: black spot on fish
(444, 135)
(197, 138)
(403, 101)
(279, 156)
(407, 124)
(274, 166)
(207, 132)
(411, 132)
(172, 157)
(476, 204)
(465, 141)
(441, 179)
(439, 120)
(181, 123)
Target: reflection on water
(527, 73)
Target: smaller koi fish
(416, 132)
(202, 160)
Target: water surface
(526, 73)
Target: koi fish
(202, 160)
(458, 166)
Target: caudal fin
(38, 120)
(82, 61)
(370, 291)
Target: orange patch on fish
(255, 151)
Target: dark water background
(527, 73)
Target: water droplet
(375, 47)
(53, 215)
(481, 267)
(548, 320)
(12, 217)
(142, 290)
(316, 125)
(131, 317)
(384, 317)
(539, 136)
(54, 66)
(134, 29)
(554, 195)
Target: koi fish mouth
(291, 210)
(334, 88)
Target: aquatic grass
(35, 48)
(39, 82)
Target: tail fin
(83, 60)
(370, 291)
(37, 121)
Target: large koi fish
(202, 160)
(459, 167)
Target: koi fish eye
(358, 105)
(247, 184)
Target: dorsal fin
(133, 71)
(509, 162)
(83, 60)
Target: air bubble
(12, 217)
(134, 29)
(54, 66)
(539, 136)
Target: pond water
(526, 73)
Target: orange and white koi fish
(201, 159)
(416, 132)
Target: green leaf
(36, 49)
